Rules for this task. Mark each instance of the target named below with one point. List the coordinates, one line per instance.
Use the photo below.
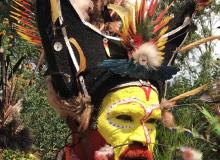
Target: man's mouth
(135, 152)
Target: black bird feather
(128, 68)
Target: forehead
(133, 100)
(146, 95)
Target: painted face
(126, 122)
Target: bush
(49, 130)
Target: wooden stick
(190, 93)
(197, 43)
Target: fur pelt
(148, 56)
(77, 108)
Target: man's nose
(140, 135)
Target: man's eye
(125, 118)
(151, 120)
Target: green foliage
(49, 130)
(13, 155)
(202, 138)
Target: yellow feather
(131, 15)
(161, 53)
(15, 14)
(16, 18)
(161, 39)
(54, 10)
(24, 36)
(161, 48)
(161, 42)
(123, 14)
(163, 31)
(162, 24)
(167, 19)
(82, 58)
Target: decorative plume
(104, 153)
(142, 32)
(147, 55)
(25, 25)
(168, 119)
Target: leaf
(213, 120)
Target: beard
(136, 152)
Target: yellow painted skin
(124, 118)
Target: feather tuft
(168, 119)
(190, 154)
(147, 55)
(104, 153)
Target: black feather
(128, 68)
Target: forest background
(199, 66)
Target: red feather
(142, 11)
(23, 6)
(161, 15)
(152, 8)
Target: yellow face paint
(126, 116)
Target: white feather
(104, 152)
(148, 55)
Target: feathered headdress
(142, 34)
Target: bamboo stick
(197, 43)
(190, 93)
